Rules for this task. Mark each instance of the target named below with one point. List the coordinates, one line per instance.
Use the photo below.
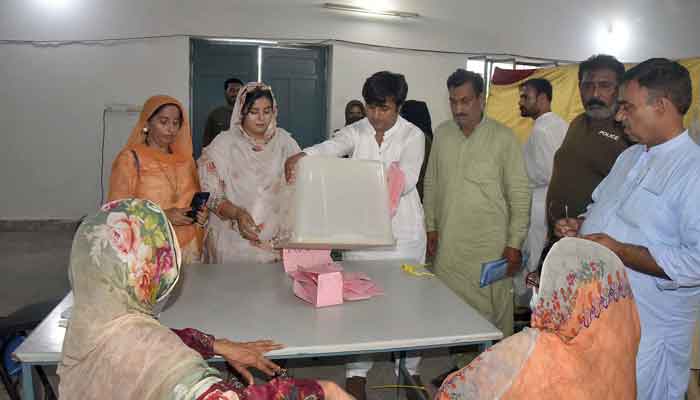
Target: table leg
(405, 378)
(484, 345)
(27, 384)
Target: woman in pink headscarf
(243, 169)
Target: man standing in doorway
(219, 119)
(646, 211)
(476, 201)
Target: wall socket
(121, 107)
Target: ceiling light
(250, 41)
(370, 11)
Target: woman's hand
(331, 391)
(246, 225)
(202, 216)
(177, 216)
(242, 355)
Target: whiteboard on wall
(117, 128)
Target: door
(298, 78)
(212, 64)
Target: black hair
(384, 85)
(540, 85)
(601, 61)
(350, 105)
(664, 78)
(462, 76)
(232, 80)
(253, 95)
(416, 112)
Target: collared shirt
(586, 156)
(403, 143)
(545, 139)
(651, 198)
(219, 120)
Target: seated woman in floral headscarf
(157, 164)
(243, 170)
(583, 342)
(124, 263)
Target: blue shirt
(651, 198)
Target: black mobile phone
(198, 201)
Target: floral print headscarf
(583, 342)
(124, 262)
(133, 250)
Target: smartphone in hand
(199, 200)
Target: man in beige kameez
(477, 201)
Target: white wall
(565, 29)
(426, 75)
(51, 97)
(51, 112)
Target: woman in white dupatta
(243, 169)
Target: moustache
(461, 115)
(595, 102)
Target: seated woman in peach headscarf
(583, 341)
(156, 164)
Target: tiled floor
(34, 265)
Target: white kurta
(403, 143)
(545, 139)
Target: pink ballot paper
(322, 282)
(359, 286)
(295, 258)
(396, 180)
(320, 285)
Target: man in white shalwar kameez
(545, 138)
(384, 136)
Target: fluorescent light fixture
(370, 11)
(250, 41)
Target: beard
(597, 109)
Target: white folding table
(248, 301)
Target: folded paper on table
(320, 288)
(359, 286)
(327, 285)
(493, 271)
(295, 258)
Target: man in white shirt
(547, 134)
(384, 136)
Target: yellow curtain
(502, 102)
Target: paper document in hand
(396, 180)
